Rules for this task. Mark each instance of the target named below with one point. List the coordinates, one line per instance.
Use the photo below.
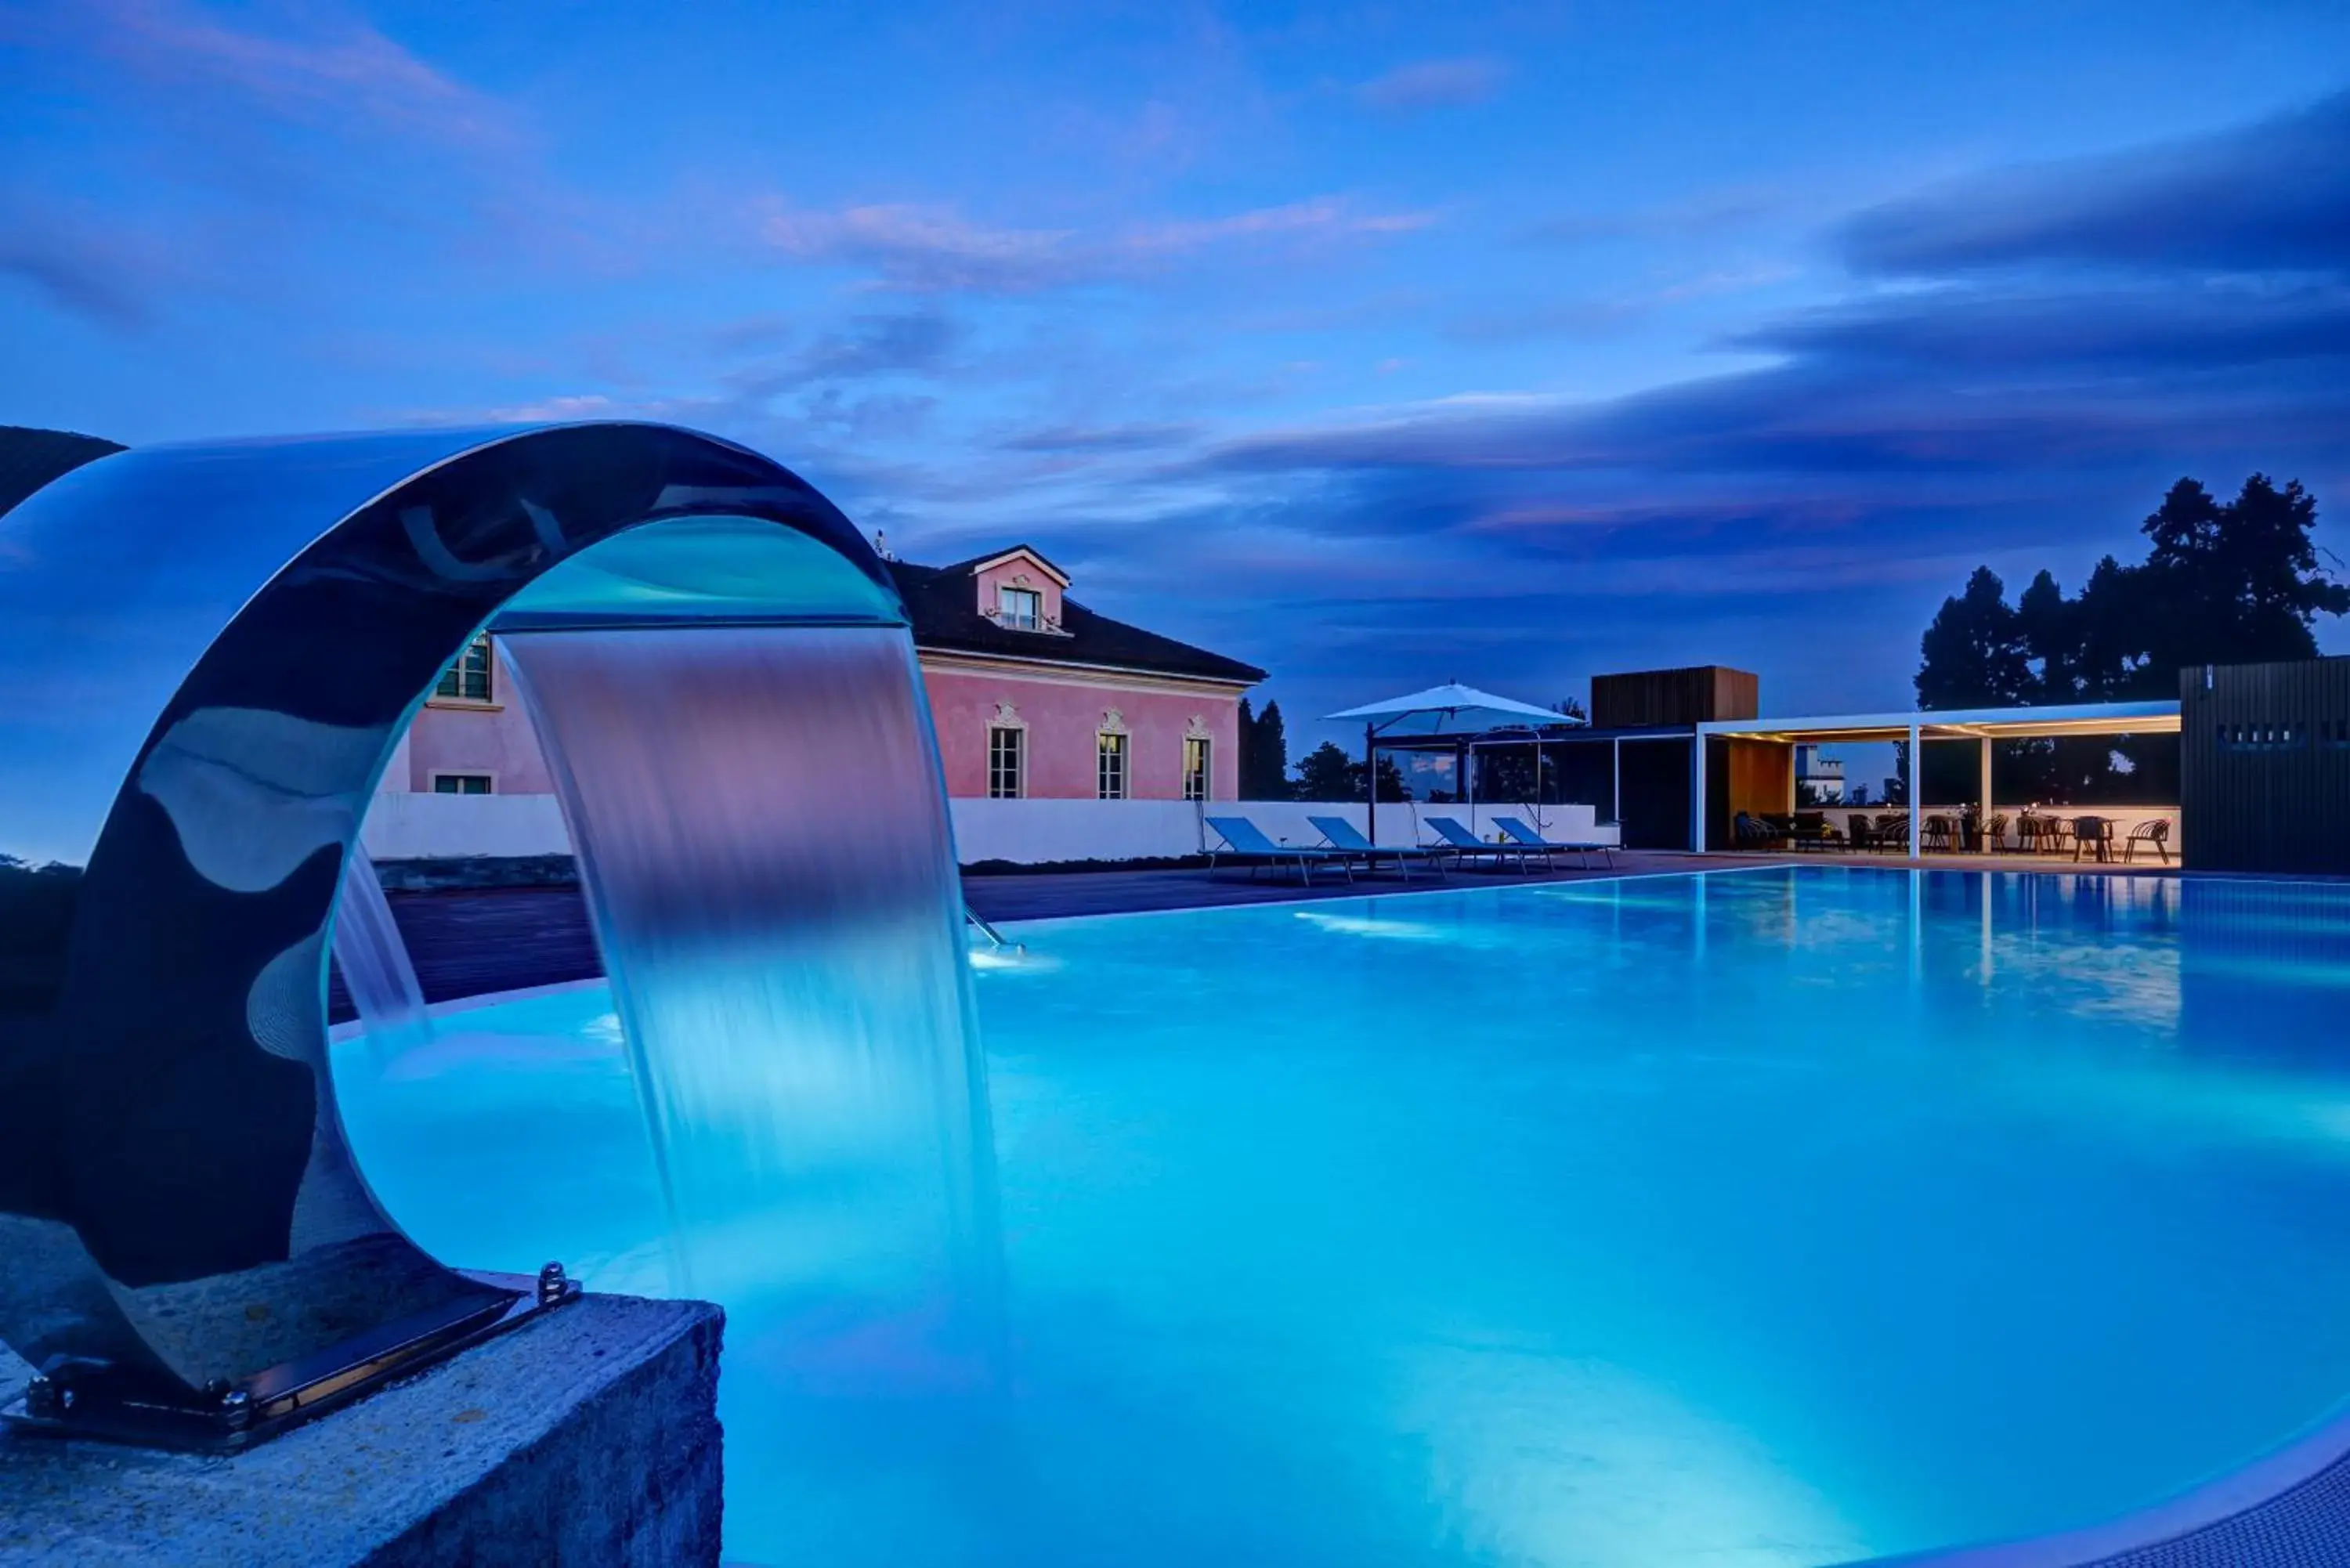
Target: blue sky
(1380, 345)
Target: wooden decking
(467, 943)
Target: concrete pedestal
(589, 1437)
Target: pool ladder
(993, 935)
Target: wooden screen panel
(1692, 696)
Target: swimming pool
(1772, 1216)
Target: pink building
(1034, 695)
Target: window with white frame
(461, 784)
(1006, 760)
(1022, 609)
(1109, 764)
(1195, 767)
(468, 679)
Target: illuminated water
(1763, 1218)
(797, 1009)
(373, 960)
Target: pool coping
(2256, 1485)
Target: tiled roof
(944, 602)
(30, 459)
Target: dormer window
(1022, 609)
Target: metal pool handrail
(993, 935)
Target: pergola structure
(1983, 725)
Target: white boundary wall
(1034, 832)
(403, 827)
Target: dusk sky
(1378, 345)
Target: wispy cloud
(1596, 317)
(932, 249)
(2276, 194)
(2018, 396)
(1072, 437)
(100, 272)
(866, 344)
(1434, 84)
(308, 63)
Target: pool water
(1768, 1217)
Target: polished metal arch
(210, 653)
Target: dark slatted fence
(2264, 766)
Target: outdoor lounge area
(2040, 835)
(1743, 798)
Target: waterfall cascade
(768, 863)
(374, 962)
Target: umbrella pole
(1371, 778)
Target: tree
(2222, 583)
(1973, 653)
(1509, 774)
(1328, 773)
(1245, 750)
(1264, 754)
(2049, 626)
(2233, 584)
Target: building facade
(1034, 696)
(1819, 780)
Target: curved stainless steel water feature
(210, 652)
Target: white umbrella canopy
(1452, 710)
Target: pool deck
(475, 941)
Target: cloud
(2114, 329)
(930, 249)
(1434, 84)
(909, 342)
(316, 66)
(2273, 195)
(99, 273)
(1102, 438)
(1599, 317)
(216, 150)
(2021, 403)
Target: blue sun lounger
(1246, 840)
(1519, 834)
(1339, 833)
(1460, 844)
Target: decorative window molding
(1007, 717)
(1007, 759)
(1196, 729)
(1114, 722)
(1112, 780)
(1199, 768)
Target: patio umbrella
(1449, 710)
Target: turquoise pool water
(1773, 1217)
